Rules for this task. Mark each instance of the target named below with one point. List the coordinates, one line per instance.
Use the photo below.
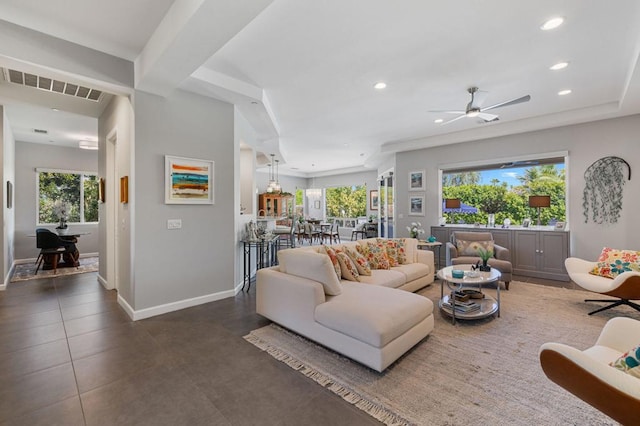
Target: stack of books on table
(463, 307)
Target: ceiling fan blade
(487, 117)
(507, 103)
(454, 119)
(449, 112)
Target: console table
(265, 249)
(538, 251)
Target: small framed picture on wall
(416, 205)
(416, 180)
(373, 199)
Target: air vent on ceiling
(42, 131)
(51, 85)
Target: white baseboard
(173, 306)
(104, 282)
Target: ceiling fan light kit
(474, 107)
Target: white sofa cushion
(412, 271)
(385, 278)
(311, 265)
(373, 314)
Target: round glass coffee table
(473, 308)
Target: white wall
(585, 143)
(8, 214)
(116, 122)
(28, 157)
(176, 268)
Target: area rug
(475, 372)
(27, 271)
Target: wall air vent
(41, 131)
(51, 85)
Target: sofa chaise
(372, 321)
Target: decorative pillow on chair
(629, 362)
(348, 268)
(334, 260)
(470, 248)
(612, 263)
(359, 260)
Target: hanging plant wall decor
(602, 195)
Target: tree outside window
(346, 201)
(77, 189)
(507, 193)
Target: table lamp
(452, 203)
(539, 201)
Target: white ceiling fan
(475, 109)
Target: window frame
(82, 174)
(452, 167)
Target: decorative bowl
(472, 274)
(457, 273)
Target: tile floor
(71, 356)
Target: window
(346, 201)
(78, 189)
(504, 189)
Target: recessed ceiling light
(380, 85)
(93, 145)
(559, 66)
(564, 92)
(438, 121)
(552, 23)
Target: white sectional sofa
(371, 321)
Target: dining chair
(332, 233)
(50, 247)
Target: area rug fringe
(375, 410)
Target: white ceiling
(302, 71)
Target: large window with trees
(346, 201)
(78, 190)
(504, 190)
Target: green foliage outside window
(66, 187)
(346, 201)
(538, 180)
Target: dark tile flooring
(71, 356)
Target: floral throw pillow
(391, 247)
(612, 263)
(629, 362)
(376, 255)
(334, 260)
(470, 248)
(359, 260)
(402, 251)
(348, 268)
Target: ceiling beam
(189, 34)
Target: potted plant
(485, 255)
(415, 229)
(492, 205)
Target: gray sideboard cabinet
(540, 254)
(534, 252)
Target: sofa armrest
(502, 253)
(285, 298)
(451, 252)
(426, 257)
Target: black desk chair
(51, 246)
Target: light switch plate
(174, 223)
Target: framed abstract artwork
(188, 180)
(416, 205)
(416, 180)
